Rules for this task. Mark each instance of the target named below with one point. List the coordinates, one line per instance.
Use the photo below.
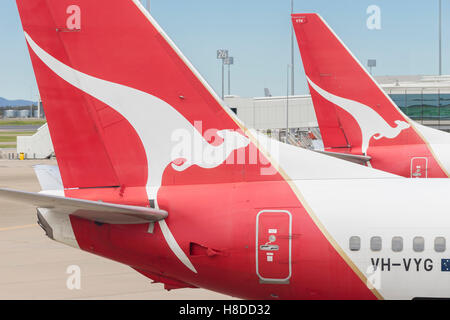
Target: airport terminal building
(425, 99)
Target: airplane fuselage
(257, 240)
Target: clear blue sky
(257, 34)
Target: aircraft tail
(351, 108)
(117, 92)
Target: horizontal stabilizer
(87, 209)
(360, 159)
(49, 177)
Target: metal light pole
(287, 103)
(223, 78)
(147, 4)
(292, 51)
(39, 107)
(229, 77)
(229, 61)
(440, 37)
(222, 54)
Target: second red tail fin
(353, 112)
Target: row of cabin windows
(397, 244)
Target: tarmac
(34, 267)
(20, 128)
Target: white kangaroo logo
(140, 108)
(369, 121)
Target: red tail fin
(115, 89)
(350, 106)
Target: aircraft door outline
(274, 246)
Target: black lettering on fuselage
(386, 264)
(417, 261)
(375, 263)
(428, 264)
(407, 263)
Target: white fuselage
(351, 200)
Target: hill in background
(15, 103)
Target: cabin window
(418, 244)
(375, 243)
(439, 244)
(355, 243)
(397, 244)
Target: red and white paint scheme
(356, 117)
(246, 216)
